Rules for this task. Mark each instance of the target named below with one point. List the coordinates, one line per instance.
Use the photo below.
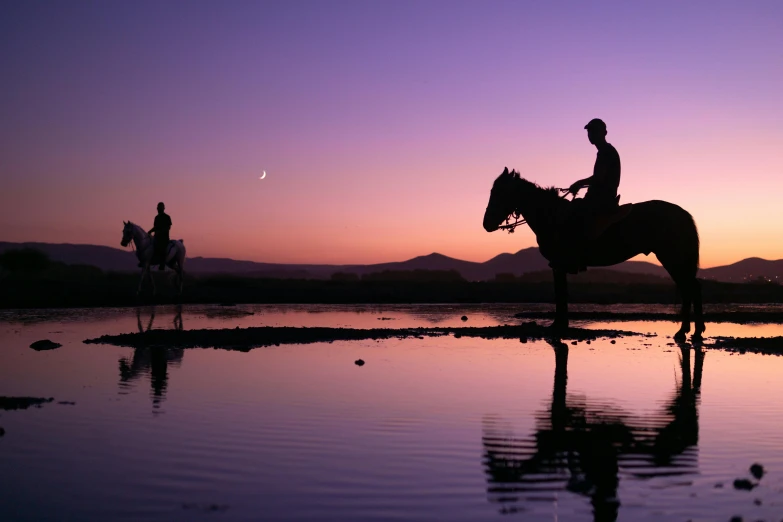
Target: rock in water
(744, 484)
(464, 317)
(2, 432)
(359, 362)
(757, 470)
(44, 344)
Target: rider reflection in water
(161, 229)
(601, 197)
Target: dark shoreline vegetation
(30, 280)
(244, 339)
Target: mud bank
(22, 403)
(715, 317)
(248, 338)
(763, 345)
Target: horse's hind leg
(179, 278)
(698, 320)
(686, 290)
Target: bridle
(519, 220)
(132, 241)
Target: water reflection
(153, 361)
(581, 446)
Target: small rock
(359, 362)
(757, 501)
(757, 470)
(588, 341)
(2, 432)
(206, 508)
(736, 519)
(44, 344)
(613, 341)
(744, 484)
(719, 485)
(464, 317)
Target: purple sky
(381, 125)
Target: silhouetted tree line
(28, 279)
(24, 260)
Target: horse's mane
(550, 193)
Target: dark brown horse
(659, 227)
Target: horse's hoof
(679, 336)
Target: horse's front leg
(152, 281)
(141, 279)
(561, 299)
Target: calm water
(429, 429)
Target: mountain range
(522, 262)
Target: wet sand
(738, 317)
(763, 345)
(244, 339)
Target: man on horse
(161, 229)
(601, 197)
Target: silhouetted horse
(651, 226)
(175, 258)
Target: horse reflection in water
(585, 446)
(153, 361)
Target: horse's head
(502, 200)
(127, 233)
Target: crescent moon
(262, 177)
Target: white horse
(175, 254)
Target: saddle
(571, 258)
(156, 258)
(601, 222)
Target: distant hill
(522, 262)
(750, 269)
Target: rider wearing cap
(601, 197)
(602, 185)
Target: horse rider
(161, 229)
(601, 197)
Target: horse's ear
(505, 171)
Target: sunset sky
(381, 125)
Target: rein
(517, 215)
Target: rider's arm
(582, 183)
